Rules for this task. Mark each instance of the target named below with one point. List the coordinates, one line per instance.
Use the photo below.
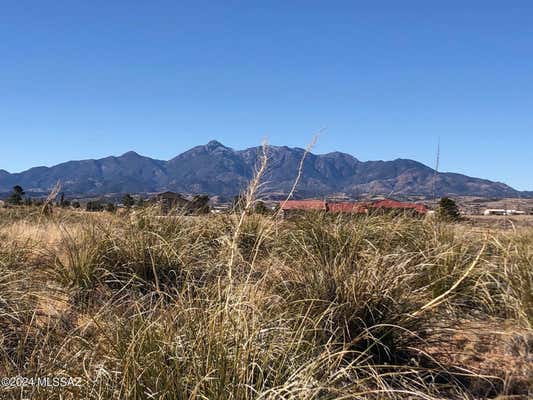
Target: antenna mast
(437, 162)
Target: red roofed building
(348, 207)
(291, 207)
(294, 207)
(398, 205)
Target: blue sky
(87, 79)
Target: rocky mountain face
(219, 170)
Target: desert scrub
(143, 251)
(162, 254)
(511, 276)
(256, 240)
(21, 335)
(319, 307)
(365, 297)
(220, 345)
(14, 254)
(210, 348)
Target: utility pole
(437, 162)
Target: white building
(497, 211)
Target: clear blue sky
(87, 79)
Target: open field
(252, 307)
(501, 222)
(471, 205)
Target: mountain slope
(216, 169)
(129, 172)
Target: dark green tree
(76, 204)
(448, 210)
(140, 202)
(128, 201)
(261, 208)
(200, 204)
(17, 196)
(239, 203)
(94, 206)
(110, 207)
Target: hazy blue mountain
(219, 170)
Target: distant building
(221, 208)
(387, 205)
(298, 206)
(498, 211)
(295, 207)
(349, 207)
(169, 201)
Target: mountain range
(219, 170)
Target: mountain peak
(214, 144)
(130, 154)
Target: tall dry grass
(246, 306)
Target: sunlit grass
(319, 307)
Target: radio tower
(437, 162)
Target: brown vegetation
(252, 307)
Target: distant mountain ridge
(219, 170)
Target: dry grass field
(245, 306)
(501, 222)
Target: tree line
(18, 197)
(199, 203)
(446, 210)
